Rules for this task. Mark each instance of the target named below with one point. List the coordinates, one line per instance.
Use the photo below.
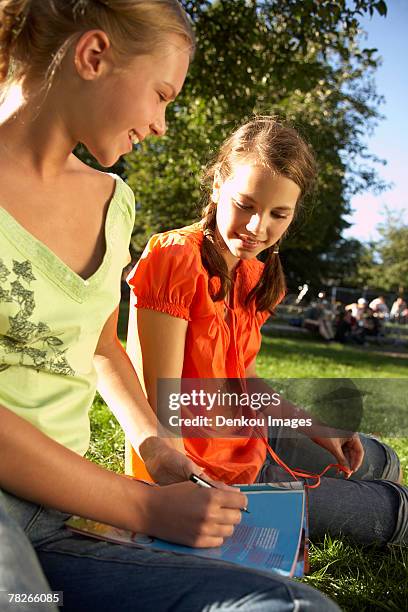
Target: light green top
(50, 323)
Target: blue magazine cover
(271, 537)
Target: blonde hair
(266, 142)
(35, 35)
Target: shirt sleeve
(165, 277)
(126, 200)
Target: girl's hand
(194, 516)
(165, 464)
(348, 451)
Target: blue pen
(207, 485)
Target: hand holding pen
(198, 516)
(208, 485)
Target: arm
(119, 385)
(347, 449)
(36, 468)
(156, 346)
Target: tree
(340, 264)
(384, 264)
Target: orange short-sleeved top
(170, 277)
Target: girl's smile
(249, 243)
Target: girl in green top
(100, 72)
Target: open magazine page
(268, 538)
(301, 560)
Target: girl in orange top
(201, 294)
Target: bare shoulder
(100, 185)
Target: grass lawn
(357, 579)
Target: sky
(390, 138)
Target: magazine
(271, 537)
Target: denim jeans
(368, 507)
(37, 554)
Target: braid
(211, 256)
(13, 14)
(271, 286)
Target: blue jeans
(38, 554)
(368, 507)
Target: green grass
(358, 579)
(107, 445)
(303, 357)
(380, 377)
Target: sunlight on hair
(12, 101)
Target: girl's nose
(158, 127)
(256, 225)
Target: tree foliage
(384, 263)
(299, 59)
(340, 264)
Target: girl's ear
(92, 55)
